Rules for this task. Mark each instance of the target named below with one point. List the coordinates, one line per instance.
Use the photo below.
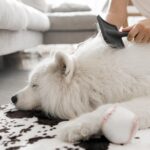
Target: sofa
(20, 27)
(28, 23)
(72, 21)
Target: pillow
(68, 7)
(38, 4)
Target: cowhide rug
(32, 130)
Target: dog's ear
(65, 65)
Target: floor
(16, 67)
(14, 74)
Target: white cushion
(12, 16)
(36, 20)
(38, 4)
(15, 15)
(68, 7)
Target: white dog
(93, 78)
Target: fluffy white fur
(93, 78)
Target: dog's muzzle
(14, 99)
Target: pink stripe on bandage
(108, 114)
(133, 129)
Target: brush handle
(117, 33)
(123, 34)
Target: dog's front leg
(90, 123)
(84, 126)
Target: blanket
(14, 15)
(33, 130)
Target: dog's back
(119, 74)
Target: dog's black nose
(14, 99)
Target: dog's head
(47, 85)
(63, 85)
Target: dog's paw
(72, 132)
(78, 129)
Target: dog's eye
(34, 85)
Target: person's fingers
(146, 39)
(126, 29)
(139, 37)
(138, 33)
(143, 36)
(133, 33)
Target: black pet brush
(111, 34)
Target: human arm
(117, 12)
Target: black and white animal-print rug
(32, 130)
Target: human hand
(140, 32)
